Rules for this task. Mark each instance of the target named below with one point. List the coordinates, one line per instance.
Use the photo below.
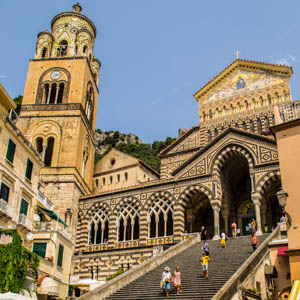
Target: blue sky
(156, 53)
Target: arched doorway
(246, 213)
(198, 213)
(236, 187)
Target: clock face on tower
(55, 75)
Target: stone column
(257, 204)
(216, 206)
(225, 216)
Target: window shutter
(24, 207)
(40, 249)
(11, 149)
(60, 255)
(4, 192)
(29, 169)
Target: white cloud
(3, 76)
(287, 60)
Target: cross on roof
(237, 53)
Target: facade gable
(243, 81)
(261, 151)
(114, 160)
(259, 74)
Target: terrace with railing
(289, 112)
(53, 226)
(6, 209)
(24, 221)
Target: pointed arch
(128, 218)
(160, 214)
(98, 224)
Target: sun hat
(167, 269)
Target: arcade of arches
(241, 200)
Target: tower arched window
(49, 152)
(89, 103)
(160, 218)
(62, 48)
(53, 93)
(39, 145)
(53, 86)
(128, 222)
(46, 93)
(110, 179)
(103, 181)
(44, 52)
(244, 126)
(126, 176)
(84, 50)
(60, 92)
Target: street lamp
(282, 199)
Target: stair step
(224, 263)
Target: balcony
(44, 200)
(25, 222)
(6, 209)
(53, 227)
(289, 112)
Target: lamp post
(282, 199)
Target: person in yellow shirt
(204, 261)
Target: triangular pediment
(243, 76)
(114, 160)
(262, 151)
(188, 140)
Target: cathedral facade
(222, 170)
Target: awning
(49, 287)
(281, 250)
(52, 215)
(295, 292)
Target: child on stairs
(204, 261)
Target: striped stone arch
(159, 194)
(266, 179)
(191, 191)
(131, 199)
(95, 207)
(228, 151)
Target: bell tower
(59, 109)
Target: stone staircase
(224, 263)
